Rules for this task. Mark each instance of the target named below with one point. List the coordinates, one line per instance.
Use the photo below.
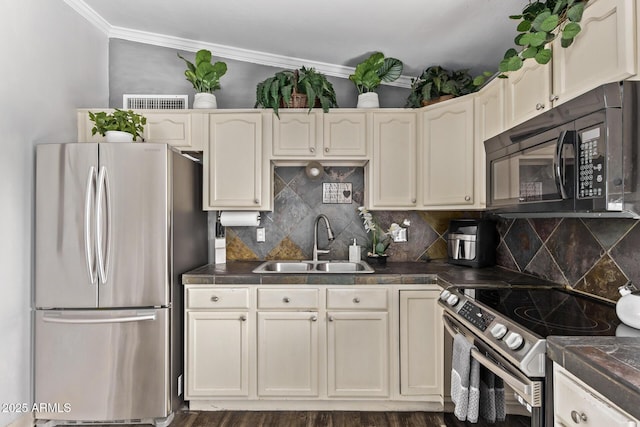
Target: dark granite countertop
(610, 365)
(440, 272)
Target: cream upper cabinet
(333, 135)
(527, 92)
(183, 129)
(236, 175)
(421, 338)
(447, 154)
(345, 134)
(604, 51)
(296, 134)
(392, 168)
(575, 403)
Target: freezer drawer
(103, 365)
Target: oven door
(530, 390)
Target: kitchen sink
(314, 267)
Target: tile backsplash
(592, 255)
(297, 203)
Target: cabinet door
(447, 154)
(604, 51)
(217, 359)
(392, 172)
(233, 163)
(420, 343)
(295, 134)
(288, 354)
(183, 130)
(527, 92)
(345, 134)
(358, 354)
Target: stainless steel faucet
(330, 236)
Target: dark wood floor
(326, 419)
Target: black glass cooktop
(552, 311)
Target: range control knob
(452, 300)
(499, 331)
(514, 341)
(444, 295)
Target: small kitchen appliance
(472, 242)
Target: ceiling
(332, 35)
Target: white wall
(53, 61)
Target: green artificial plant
(541, 22)
(203, 75)
(119, 120)
(374, 70)
(437, 81)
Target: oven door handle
(530, 392)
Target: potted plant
(370, 73)
(437, 84)
(205, 78)
(118, 126)
(380, 240)
(296, 89)
(541, 22)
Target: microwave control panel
(591, 156)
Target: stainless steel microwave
(578, 159)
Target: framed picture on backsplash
(337, 192)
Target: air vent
(155, 102)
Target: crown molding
(90, 15)
(222, 51)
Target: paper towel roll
(240, 218)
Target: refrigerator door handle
(98, 319)
(89, 246)
(104, 250)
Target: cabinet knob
(553, 98)
(539, 107)
(330, 318)
(314, 318)
(467, 198)
(313, 150)
(326, 150)
(285, 299)
(578, 416)
(413, 200)
(243, 318)
(356, 300)
(215, 298)
(256, 201)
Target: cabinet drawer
(288, 298)
(574, 404)
(354, 299)
(217, 298)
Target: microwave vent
(155, 102)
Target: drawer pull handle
(243, 318)
(356, 300)
(577, 417)
(314, 318)
(286, 299)
(215, 298)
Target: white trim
(223, 51)
(90, 15)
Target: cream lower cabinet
(217, 342)
(357, 342)
(288, 342)
(392, 170)
(421, 343)
(447, 166)
(575, 403)
(236, 175)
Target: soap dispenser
(354, 252)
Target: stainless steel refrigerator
(116, 226)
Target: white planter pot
(368, 100)
(118, 136)
(205, 100)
